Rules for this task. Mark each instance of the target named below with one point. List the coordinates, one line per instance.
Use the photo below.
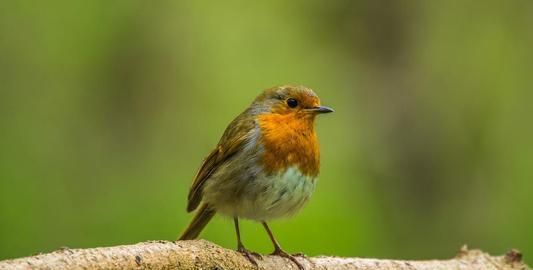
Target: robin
(264, 167)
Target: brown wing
(236, 134)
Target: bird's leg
(279, 251)
(240, 246)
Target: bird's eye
(292, 102)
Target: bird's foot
(280, 252)
(250, 255)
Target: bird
(264, 167)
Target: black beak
(321, 109)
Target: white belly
(270, 197)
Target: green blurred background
(108, 107)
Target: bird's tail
(200, 220)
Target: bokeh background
(108, 107)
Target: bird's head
(298, 101)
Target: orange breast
(289, 140)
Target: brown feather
(198, 223)
(231, 142)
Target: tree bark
(201, 254)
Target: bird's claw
(250, 255)
(282, 253)
(257, 255)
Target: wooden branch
(202, 254)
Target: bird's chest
(289, 142)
